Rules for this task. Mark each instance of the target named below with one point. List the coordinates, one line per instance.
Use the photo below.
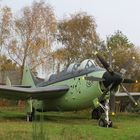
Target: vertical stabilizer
(27, 78)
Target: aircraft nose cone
(115, 78)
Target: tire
(96, 114)
(111, 124)
(33, 113)
(103, 123)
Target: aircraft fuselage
(80, 95)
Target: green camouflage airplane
(78, 87)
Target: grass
(66, 126)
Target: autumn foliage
(33, 35)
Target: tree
(9, 69)
(7, 64)
(78, 36)
(5, 27)
(124, 52)
(122, 49)
(33, 34)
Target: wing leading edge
(40, 93)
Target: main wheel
(96, 114)
(103, 123)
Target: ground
(66, 126)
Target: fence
(14, 76)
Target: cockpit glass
(73, 67)
(87, 64)
(91, 63)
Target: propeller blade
(130, 96)
(125, 66)
(105, 64)
(129, 81)
(102, 60)
(92, 78)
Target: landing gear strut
(105, 121)
(31, 115)
(30, 110)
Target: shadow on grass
(53, 117)
(79, 118)
(67, 119)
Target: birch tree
(78, 36)
(33, 34)
(5, 27)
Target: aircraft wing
(123, 96)
(40, 93)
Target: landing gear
(105, 121)
(96, 113)
(31, 115)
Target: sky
(110, 15)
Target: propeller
(130, 96)
(112, 80)
(105, 64)
(126, 66)
(129, 81)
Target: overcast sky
(110, 15)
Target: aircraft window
(52, 77)
(87, 64)
(73, 67)
(48, 76)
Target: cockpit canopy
(73, 67)
(88, 63)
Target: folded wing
(40, 93)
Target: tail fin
(27, 77)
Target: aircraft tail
(27, 78)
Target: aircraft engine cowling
(112, 82)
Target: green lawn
(66, 126)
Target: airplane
(80, 86)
